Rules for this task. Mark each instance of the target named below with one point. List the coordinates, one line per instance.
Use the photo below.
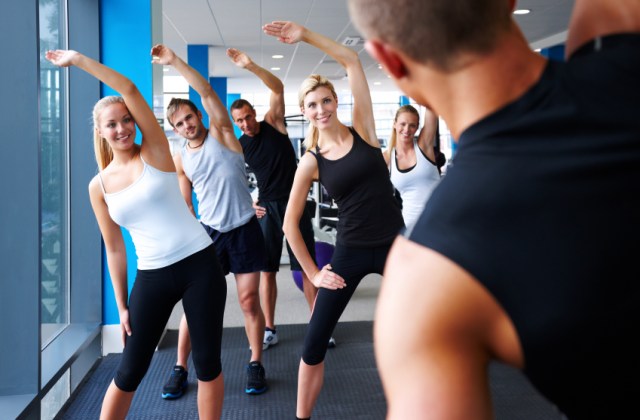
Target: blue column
(198, 58)
(404, 100)
(231, 97)
(555, 53)
(125, 43)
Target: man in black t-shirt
(270, 154)
(527, 251)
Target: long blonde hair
(404, 108)
(310, 84)
(102, 150)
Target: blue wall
(125, 44)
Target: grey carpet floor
(352, 388)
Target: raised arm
(275, 114)
(220, 127)
(427, 137)
(155, 146)
(305, 174)
(594, 18)
(363, 121)
(435, 367)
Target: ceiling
(237, 23)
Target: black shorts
(241, 250)
(271, 225)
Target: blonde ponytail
(102, 150)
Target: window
(54, 279)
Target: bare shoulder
(436, 329)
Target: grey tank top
(219, 180)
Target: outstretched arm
(155, 147)
(363, 122)
(221, 127)
(435, 367)
(593, 18)
(275, 114)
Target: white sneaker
(332, 343)
(270, 339)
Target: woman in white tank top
(137, 188)
(412, 163)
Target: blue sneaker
(177, 383)
(256, 384)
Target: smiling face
(188, 123)
(116, 125)
(320, 107)
(406, 125)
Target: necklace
(195, 147)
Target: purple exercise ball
(324, 252)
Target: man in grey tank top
(211, 164)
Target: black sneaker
(256, 384)
(177, 383)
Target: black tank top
(368, 214)
(271, 156)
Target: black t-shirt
(271, 156)
(542, 206)
(368, 213)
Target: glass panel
(56, 398)
(53, 165)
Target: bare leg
(269, 294)
(184, 343)
(310, 291)
(249, 297)
(310, 380)
(116, 403)
(210, 397)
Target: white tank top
(415, 184)
(219, 180)
(154, 212)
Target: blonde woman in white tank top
(412, 163)
(137, 185)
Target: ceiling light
(275, 68)
(165, 69)
(522, 12)
(277, 56)
(377, 83)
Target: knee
(128, 380)
(313, 354)
(207, 368)
(250, 303)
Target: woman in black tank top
(348, 162)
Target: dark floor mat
(352, 388)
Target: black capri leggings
(352, 264)
(200, 283)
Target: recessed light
(275, 68)
(522, 12)
(538, 49)
(165, 69)
(277, 56)
(377, 83)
